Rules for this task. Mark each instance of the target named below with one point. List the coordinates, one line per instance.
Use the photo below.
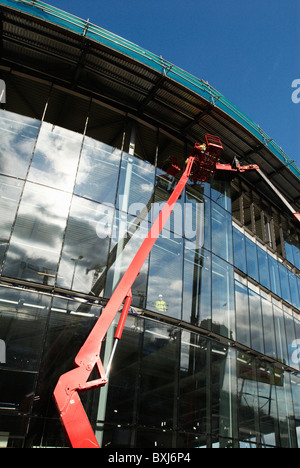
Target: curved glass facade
(209, 356)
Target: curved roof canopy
(52, 45)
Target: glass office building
(210, 352)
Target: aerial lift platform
(203, 162)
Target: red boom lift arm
(201, 164)
(66, 394)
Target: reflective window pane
(98, 171)
(136, 184)
(239, 250)
(56, 157)
(85, 253)
(268, 327)
(18, 137)
(268, 377)
(197, 286)
(247, 401)
(223, 317)
(197, 219)
(284, 282)
(242, 314)
(159, 365)
(285, 413)
(295, 299)
(290, 338)
(37, 237)
(257, 341)
(165, 185)
(10, 192)
(251, 256)
(128, 233)
(192, 385)
(263, 267)
(223, 395)
(220, 193)
(23, 319)
(221, 233)
(165, 276)
(281, 345)
(274, 276)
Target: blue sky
(249, 50)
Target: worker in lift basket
(160, 304)
(202, 148)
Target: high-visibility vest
(161, 306)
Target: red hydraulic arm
(201, 164)
(66, 394)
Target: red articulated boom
(202, 163)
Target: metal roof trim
(95, 33)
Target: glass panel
(223, 394)
(165, 185)
(290, 337)
(268, 378)
(239, 250)
(274, 276)
(288, 245)
(295, 381)
(295, 384)
(297, 256)
(236, 201)
(257, 341)
(263, 266)
(23, 319)
(223, 298)
(159, 375)
(37, 237)
(197, 286)
(268, 328)
(193, 404)
(85, 253)
(220, 193)
(295, 358)
(127, 236)
(136, 185)
(18, 136)
(291, 248)
(10, 192)
(247, 397)
(221, 233)
(252, 264)
(295, 300)
(242, 314)
(56, 157)
(197, 219)
(98, 171)
(280, 335)
(284, 281)
(165, 276)
(285, 414)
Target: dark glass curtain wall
(209, 356)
